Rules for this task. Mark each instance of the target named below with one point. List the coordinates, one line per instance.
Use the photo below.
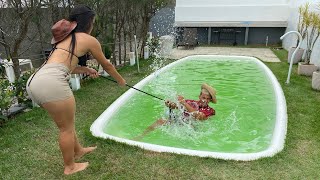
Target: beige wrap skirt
(50, 83)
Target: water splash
(188, 129)
(231, 123)
(158, 60)
(185, 127)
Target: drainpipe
(267, 41)
(209, 35)
(246, 36)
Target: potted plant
(316, 80)
(312, 34)
(303, 24)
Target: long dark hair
(84, 16)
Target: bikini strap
(68, 52)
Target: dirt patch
(304, 147)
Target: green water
(245, 112)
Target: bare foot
(76, 168)
(84, 151)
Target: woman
(49, 86)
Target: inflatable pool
(250, 120)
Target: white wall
(240, 13)
(263, 13)
(194, 3)
(235, 13)
(291, 40)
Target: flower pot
(306, 69)
(316, 80)
(75, 82)
(132, 58)
(298, 56)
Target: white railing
(294, 53)
(9, 67)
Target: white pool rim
(278, 137)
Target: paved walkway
(264, 54)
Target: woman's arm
(85, 70)
(96, 51)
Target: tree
(116, 22)
(17, 18)
(22, 13)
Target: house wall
(265, 35)
(218, 38)
(267, 18)
(194, 3)
(290, 41)
(257, 36)
(203, 35)
(231, 13)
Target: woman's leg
(80, 151)
(63, 114)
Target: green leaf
(3, 117)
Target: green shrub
(20, 88)
(13, 92)
(154, 45)
(6, 95)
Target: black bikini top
(82, 59)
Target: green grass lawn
(29, 147)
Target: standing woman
(49, 86)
